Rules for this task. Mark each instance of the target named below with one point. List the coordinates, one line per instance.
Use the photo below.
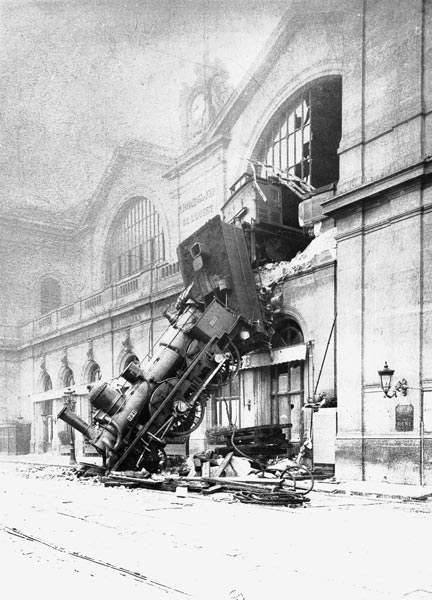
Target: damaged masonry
(216, 320)
(216, 307)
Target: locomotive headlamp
(198, 251)
(386, 375)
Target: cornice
(386, 184)
(103, 320)
(130, 150)
(52, 227)
(308, 271)
(297, 16)
(196, 154)
(384, 223)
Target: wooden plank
(212, 489)
(221, 467)
(264, 485)
(252, 480)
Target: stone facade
(370, 305)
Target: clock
(197, 113)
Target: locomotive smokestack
(76, 422)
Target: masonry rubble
(321, 248)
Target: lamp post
(70, 402)
(386, 375)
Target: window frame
(136, 241)
(318, 129)
(225, 397)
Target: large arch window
(137, 240)
(50, 295)
(303, 136)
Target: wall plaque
(404, 417)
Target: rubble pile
(321, 248)
(230, 478)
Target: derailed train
(215, 321)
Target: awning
(274, 357)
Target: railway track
(13, 531)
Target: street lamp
(386, 375)
(70, 402)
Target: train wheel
(230, 367)
(185, 418)
(188, 418)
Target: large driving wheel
(185, 417)
(230, 359)
(188, 420)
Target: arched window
(137, 240)
(303, 136)
(94, 373)
(50, 295)
(46, 383)
(129, 359)
(287, 332)
(68, 378)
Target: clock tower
(201, 102)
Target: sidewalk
(54, 460)
(375, 489)
(329, 486)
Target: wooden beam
(224, 463)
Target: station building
(339, 99)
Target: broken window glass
(311, 126)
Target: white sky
(80, 77)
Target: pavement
(79, 538)
(373, 489)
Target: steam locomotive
(215, 321)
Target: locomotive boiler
(214, 322)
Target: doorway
(286, 398)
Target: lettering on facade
(197, 200)
(198, 207)
(128, 320)
(404, 417)
(204, 212)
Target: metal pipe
(69, 417)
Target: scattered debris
(229, 474)
(321, 248)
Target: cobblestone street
(57, 530)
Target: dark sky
(79, 77)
